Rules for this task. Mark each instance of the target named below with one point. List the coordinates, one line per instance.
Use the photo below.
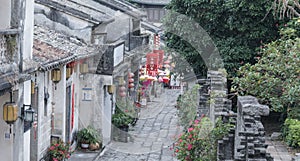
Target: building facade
(58, 58)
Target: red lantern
(130, 80)
(130, 85)
(122, 94)
(122, 89)
(130, 75)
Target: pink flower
(190, 146)
(54, 159)
(52, 148)
(196, 121)
(187, 158)
(180, 140)
(190, 129)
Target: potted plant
(59, 151)
(89, 138)
(121, 121)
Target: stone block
(297, 157)
(276, 136)
(250, 106)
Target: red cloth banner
(152, 63)
(160, 57)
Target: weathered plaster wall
(44, 114)
(120, 29)
(6, 144)
(27, 101)
(62, 22)
(96, 109)
(5, 12)
(59, 105)
(28, 29)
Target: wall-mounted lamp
(110, 89)
(121, 81)
(69, 71)
(56, 75)
(28, 114)
(10, 113)
(84, 68)
(32, 87)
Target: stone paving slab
(86, 156)
(278, 150)
(152, 135)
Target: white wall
(106, 116)
(96, 112)
(59, 104)
(27, 101)
(6, 144)
(121, 27)
(28, 29)
(44, 121)
(5, 12)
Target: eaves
(114, 5)
(68, 10)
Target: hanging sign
(160, 57)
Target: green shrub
(188, 104)
(291, 132)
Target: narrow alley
(151, 137)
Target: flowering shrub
(59, 151)
(199, 142)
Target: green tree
(237, 28)
(275, 78)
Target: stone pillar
(204, 97)
(250, 134)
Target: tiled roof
(51, 48)
(123, 6)
(152, 2)
(47, 54)
(88, 10)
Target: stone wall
(213, 96)
(250, 135)
(246, 139)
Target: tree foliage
(275, 78)
(237, 28)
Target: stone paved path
(278, 150)
(152, 135)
